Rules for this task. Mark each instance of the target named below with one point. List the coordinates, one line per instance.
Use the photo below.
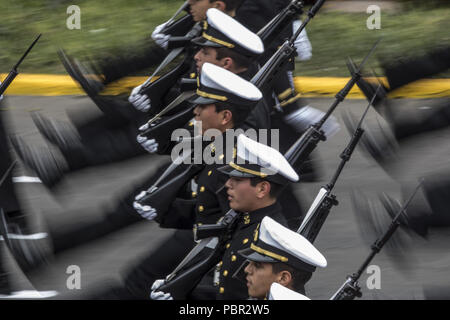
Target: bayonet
(13, 73)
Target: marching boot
(5, 284)
(47, 164)
(369, 89)
(373, 222)
(416, 223)
(379, 142)
(89, 81)
(60, 133)
(26, 250)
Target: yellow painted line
(60, 85)
(328, 87)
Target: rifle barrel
(7, 172)
(311, 13)
(28, 51)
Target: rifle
(280, 22)
(162, 193)
(13, 73)
(324, 201)
(186, 22)
(276, 64)
(350, 288)
(180, 284)
(149, 129)
(303, 147)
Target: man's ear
(227, 63)
(220, 5)
(227, 117)
(285, 278)
(263, 189)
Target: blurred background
(408, 27)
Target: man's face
(242, 196)
(259, 279)
(199, 8)
(206, 54)
(209, 117)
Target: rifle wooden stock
(159, 88)
(163, 196)
(180, 26)
(186, 281)
(313, 226)
(273, 67)
(159, 129)
(208, 231)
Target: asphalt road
(403, 272)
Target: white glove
(150, 145)
(302, 44)
(145, 212)
(159, 295)
(161, 39)
(140, 101)
(302, 118)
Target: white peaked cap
(279, 292)
(266, 157)
(216, 77)
(276, 235)
(275, 243)
(234, 31)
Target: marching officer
(223, 101)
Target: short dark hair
(275, 188)
(240, 60)
(299, 277)
(238, 117)
(230, 4)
